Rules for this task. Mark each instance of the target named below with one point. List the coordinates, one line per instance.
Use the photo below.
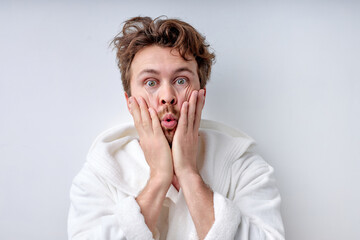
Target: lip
(169, 121)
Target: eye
(151, 83)
(181, 81)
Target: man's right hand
(152, 140)
(158, 156)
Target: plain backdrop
(287, 73)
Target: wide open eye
(151, 83)
(181, 81)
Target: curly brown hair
(139, 32)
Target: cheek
(188, 92)
(145, 96)
(151, 99)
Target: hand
(198, 196)
(185, 143)
(152, 140)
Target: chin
(169, 134)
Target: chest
(175, 220)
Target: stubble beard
(169, 133)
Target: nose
(168, 95)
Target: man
(171, 176)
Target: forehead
(162, 60)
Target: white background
(287, 73)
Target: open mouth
(169, 121)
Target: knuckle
(137, 122)
(146, 124)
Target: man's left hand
(185, 143)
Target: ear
(127, 101)
(204, 95)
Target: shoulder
(223, 148)
(209, 125)
(117, 135)
(222, 140)
(117, 157)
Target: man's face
(165, 80)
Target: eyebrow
(153, 71)
(184, 69)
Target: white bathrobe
(246, 199)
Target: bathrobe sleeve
(97, 212)
(251, 210)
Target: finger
(199, 106)
(135, 111)
(145, 116)
(192, 109)
(155, 122)
(182, 123)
